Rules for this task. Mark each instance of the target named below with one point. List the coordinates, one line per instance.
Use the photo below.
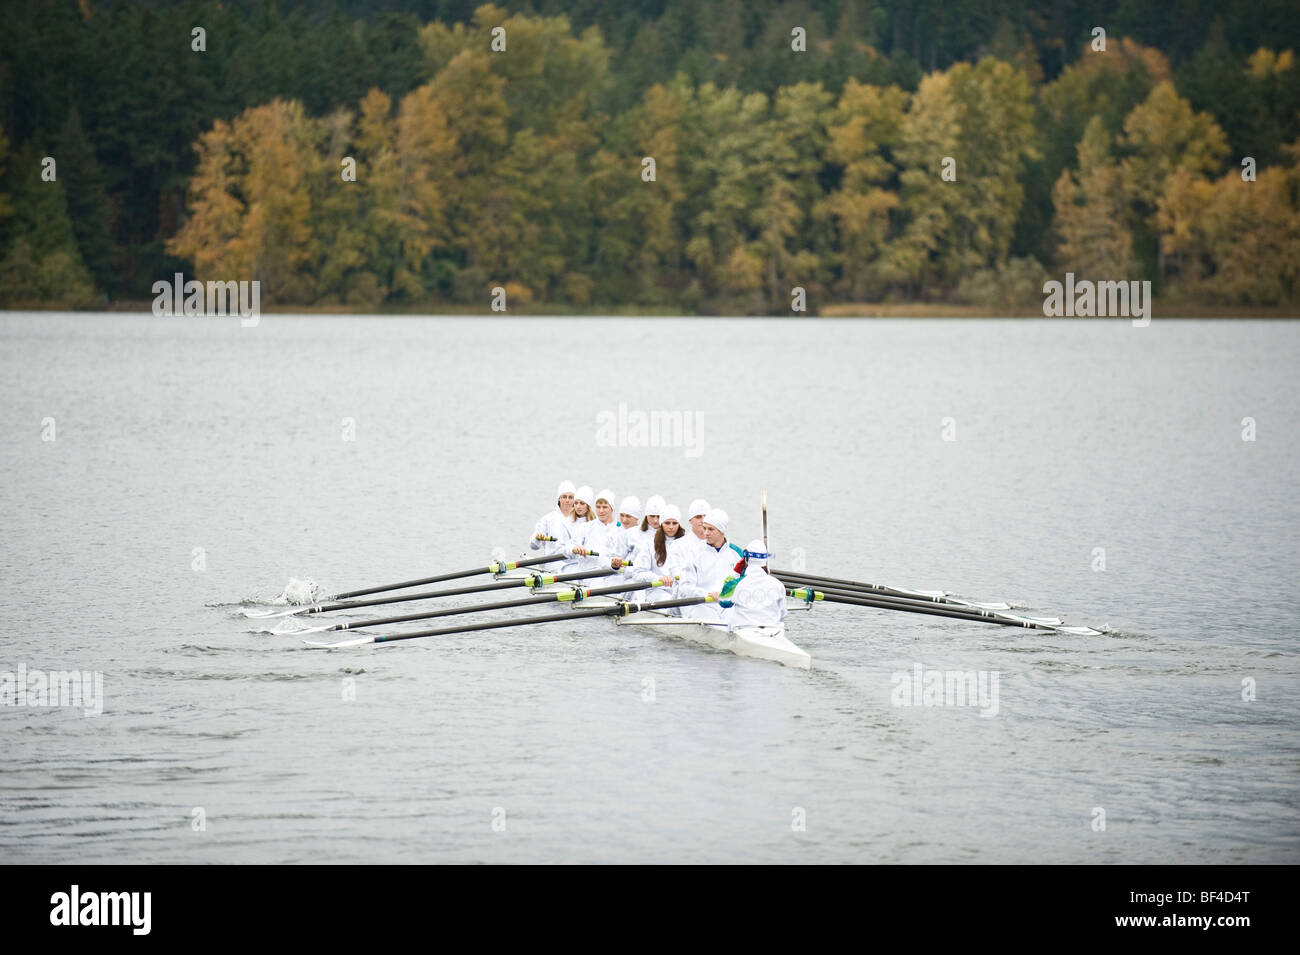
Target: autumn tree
(1091, 212)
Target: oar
(574, 595)
(846, 592)
(496, 567)
(812, 580)
(532, 581)
(979, 616)
(620, 610)
(765, 544)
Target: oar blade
(267, 614)
(321, 645)
(1037, 621)
(294, 633)
(1079, 631)
(978, 604)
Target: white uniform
(647, 567)
(606, 540)
(757, 601)
(631, 542)
(704, 571)
(552, 524)
(648, 535)
(576, 532)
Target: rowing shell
(759, 643)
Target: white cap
(757, 550)
(566, 487)
(654, 505)
(671, 512)
(584, 494)
(630, 505)
(607, 496)
(717, 518)
(698, 507)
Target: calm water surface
(1074, 443)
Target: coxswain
(758, 598)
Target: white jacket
(606, 540)
(757, 601)
(576, 532)
(645, 566)
(551, 524)
(703, 572)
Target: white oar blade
(273, 613)
(978, 605)
(359, 641)
(294, 633)
(1079, 631)
(1041, 621)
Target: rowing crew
(582, 528)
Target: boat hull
(759, 643)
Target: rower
(758, 599)
(584, 516)
(695, 515)
(650, 523)
(602, 546)
(708, 567)
(662, 559)
(629, 520)
(552, 529)
(584, 511)
(695, 518)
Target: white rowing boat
(624, 602)
(760, 643)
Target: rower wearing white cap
(758, 599)
(650, 523)
(602, 547)
(629, 522)
(663, 558)
(584, 512)
(695, 516)
(709, 567)
(584, 518)
(552, 529)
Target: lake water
(155, 473)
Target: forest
(697, 158)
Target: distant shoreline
(866, 310)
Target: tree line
(387, 162)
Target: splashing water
(299, 591)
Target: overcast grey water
(157, 473)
